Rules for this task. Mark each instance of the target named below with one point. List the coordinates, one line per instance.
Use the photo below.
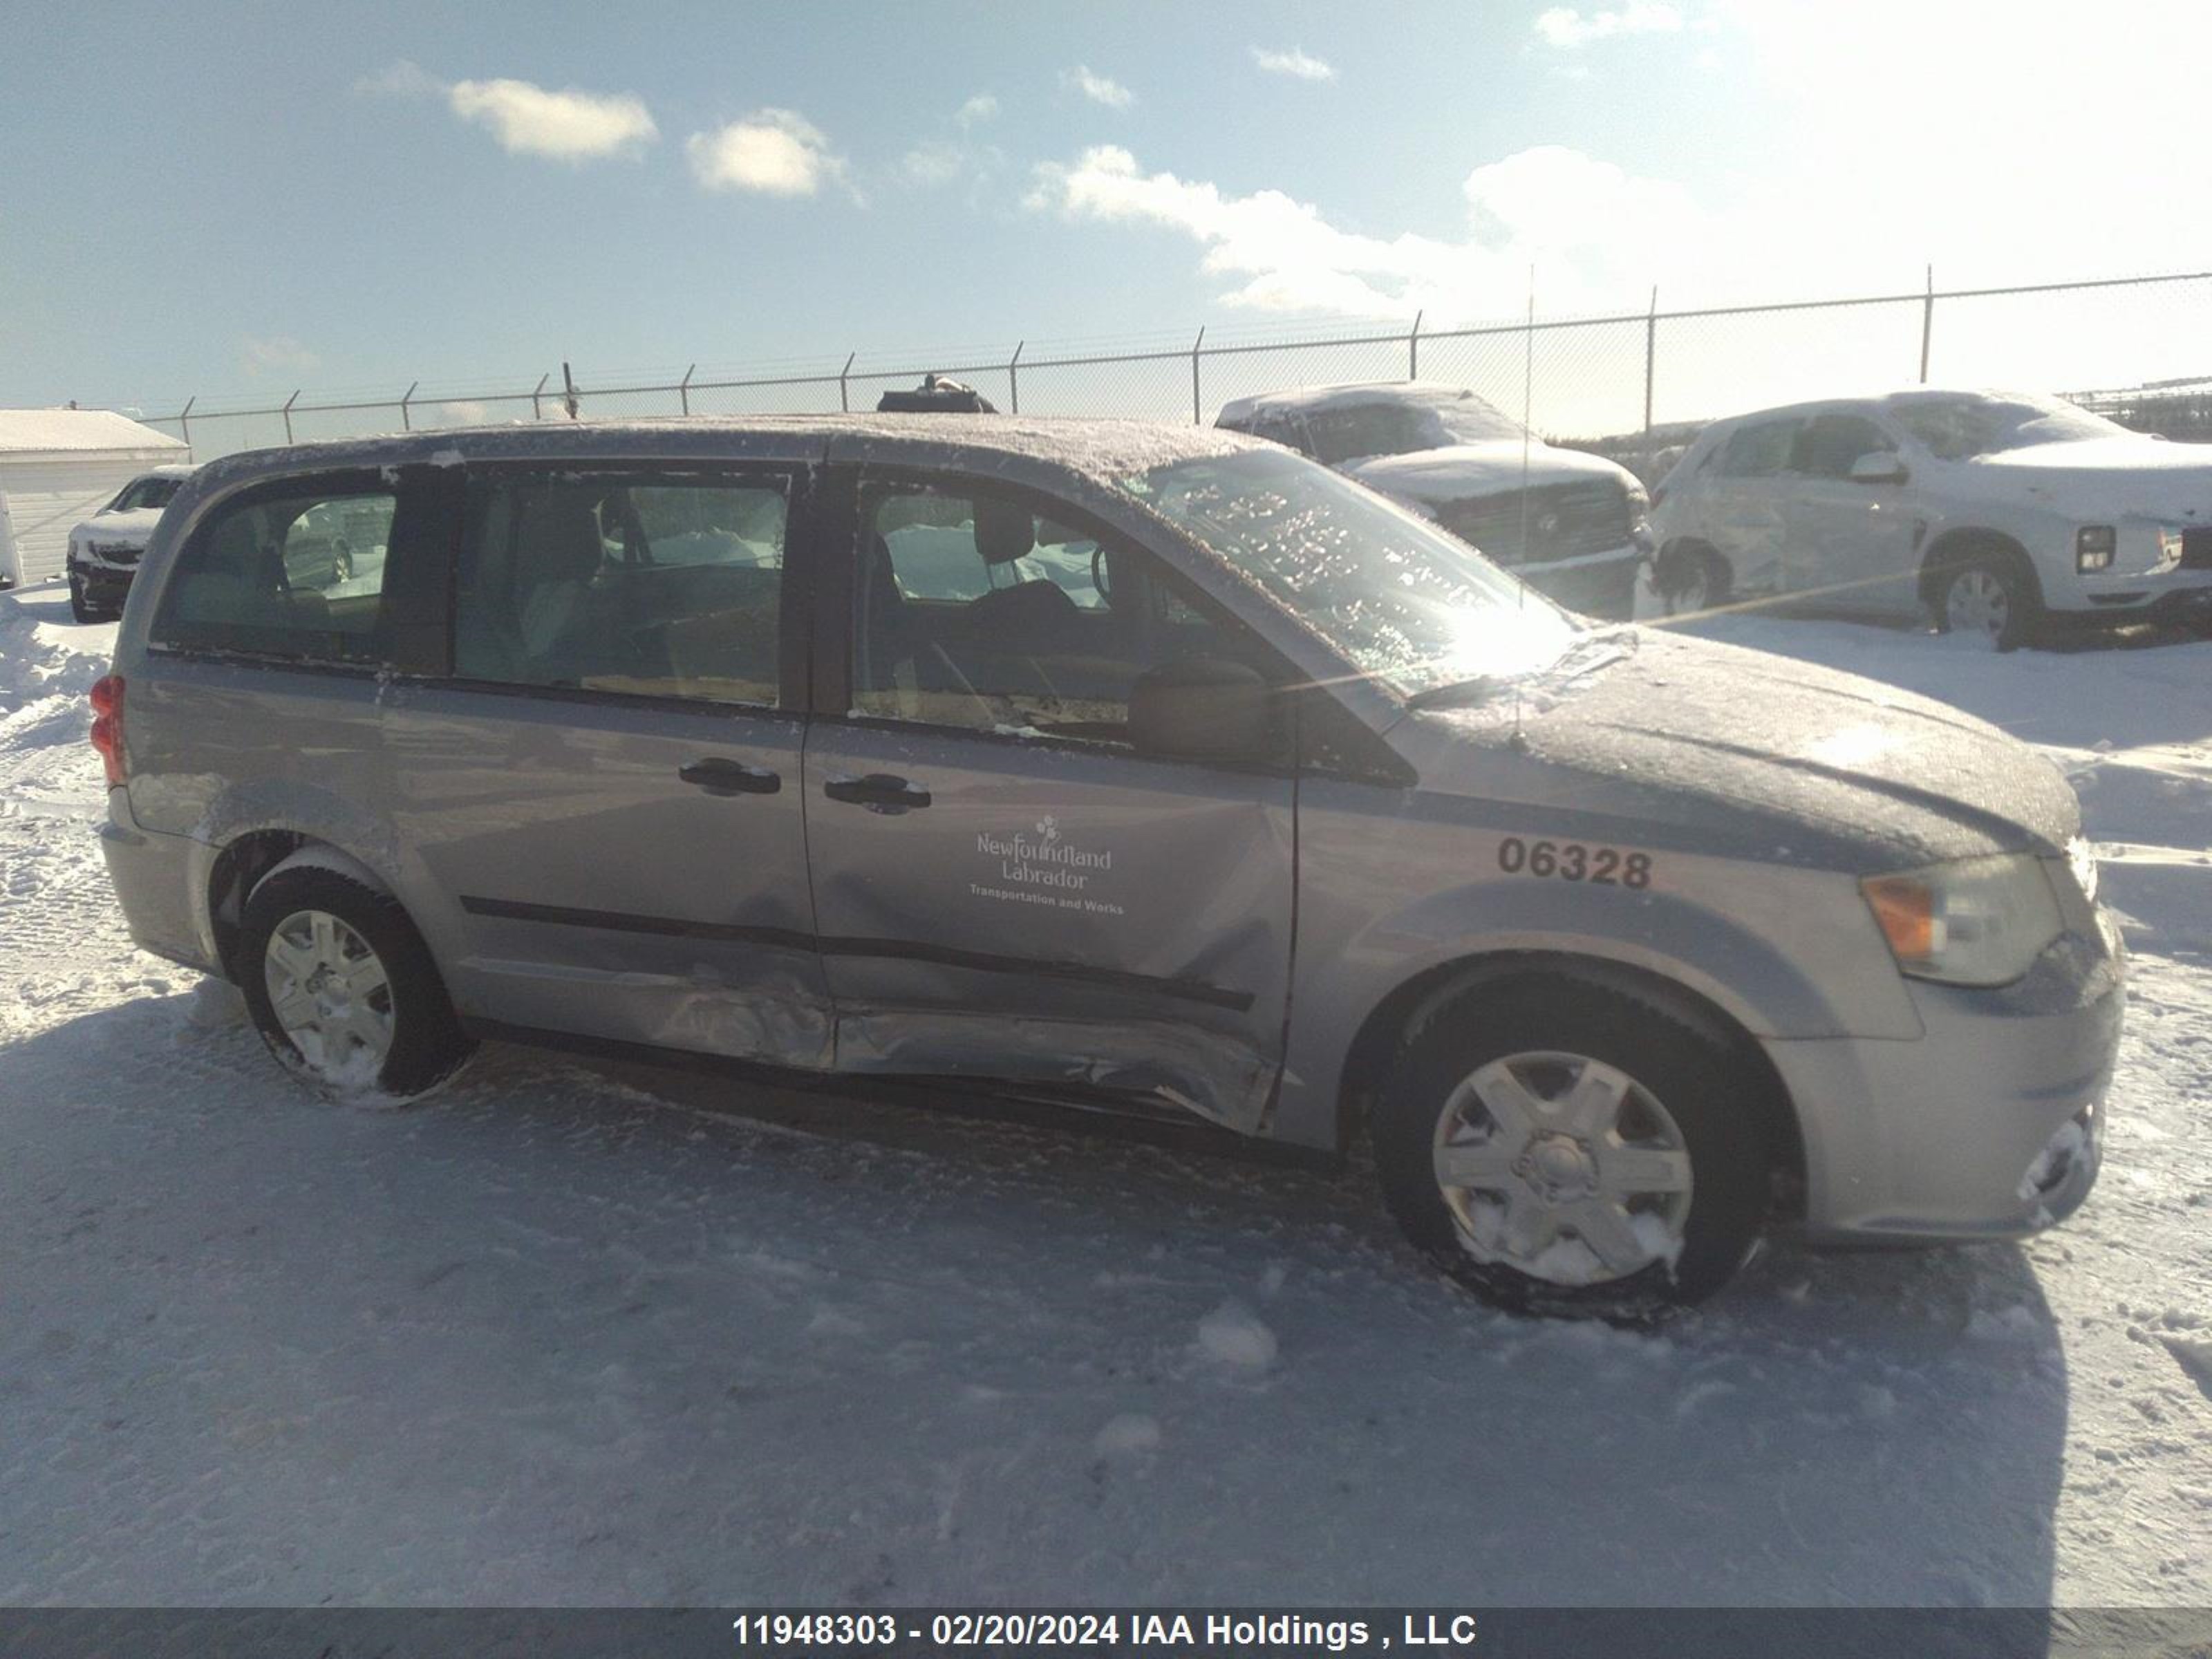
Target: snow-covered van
(1990, 511)
(1570, 523)
(104, 550)
(1136, 768)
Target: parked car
(1990, 511)
(104, 550)
(1575, 531)
(1258, 802)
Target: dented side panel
(1056, 917)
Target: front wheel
(1561, 1147)
(342, 987)
(1691, 579)
(1988, 599)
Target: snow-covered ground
(570, 1333)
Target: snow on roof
(44, 431)
(1100, 449)
(1306, 400)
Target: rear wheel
(1560, 1147)
(342, 987)
(1988, 597)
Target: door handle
(879, 791)
(729, 777)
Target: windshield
(1958, 428)
(1402, 601)
(1471, 421)
(145, 493)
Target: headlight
(2093, 544)
(1979, 922)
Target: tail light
(107, 725)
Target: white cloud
(276, 354)
(981, 107)
(772, 152)
(1098, 88)
(1592, 228)
(402, 78)
(935, 162)
(1295, 63)
(567, 126)
(1566, 27)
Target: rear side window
(1758, 451)
(650, 584)
(292, 569)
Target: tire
(1690, 1179)
(1691, 577)
(1989, 595)
(422, 1042)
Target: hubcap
(1563, 1168)
(330, 995)
(1977, 603)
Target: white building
(58, 468)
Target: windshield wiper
(1457, 694)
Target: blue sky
(353, 196)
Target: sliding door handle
(879, 791)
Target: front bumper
(1989, 1125)
(103, 582)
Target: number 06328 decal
(1572, 860)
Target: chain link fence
(1630, 385)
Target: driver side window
(977, 610)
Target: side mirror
(1883, 466)
(1203, 708)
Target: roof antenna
(1520, 740)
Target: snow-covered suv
(1571, 524)
(105, 549)
(1991, 511)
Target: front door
(1005, 889)
(607, 788)
(1851, 544)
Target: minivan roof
(1101, 449)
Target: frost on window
(1401, 599)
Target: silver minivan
(1131, 767)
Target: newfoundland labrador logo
(1043, 865)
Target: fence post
(684, 389)
(1650, 355)
(1196, 417)
(1927, 323)
(1014, 378)
(568, 400)
(536, 412)
(844, 402)
(406, 420)
(1413, 349)
(288, 402)
(184, 418)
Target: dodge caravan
(1135, 768)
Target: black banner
(911, 1633)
